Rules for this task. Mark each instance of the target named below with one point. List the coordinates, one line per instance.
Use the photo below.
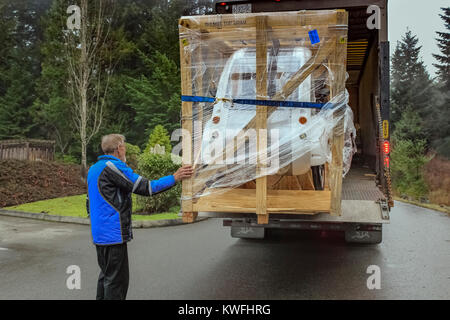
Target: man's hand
(183, 173)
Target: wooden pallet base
(278, 201)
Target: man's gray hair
(111, 142)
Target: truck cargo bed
(359, 184)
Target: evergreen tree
(145, 89)
(156, 99)
(412, 99)
(20, 65)
(15, 119)
(408, 159)
(52, 107)
(439, 118)
(410, 127)
(141, 30)
(161, 35)
(443, 58)
(6, 39)
(411, 83)
(159, 136)
(6, 25)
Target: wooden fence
(32, 150)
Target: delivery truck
(364, 193)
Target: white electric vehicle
(299, 135)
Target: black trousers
(114, 274)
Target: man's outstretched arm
(126, 179)
(167, 182)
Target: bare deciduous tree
(90, 67)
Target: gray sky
(422, 18)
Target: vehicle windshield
(240, 81)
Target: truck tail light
(386, 147)
(386, 162)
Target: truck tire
(363, 237)
(248, 232)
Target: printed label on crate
(225, 22)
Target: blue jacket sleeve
(143, 186)
(162, 184)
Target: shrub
(408, 160)
(132, 155)
(155, 166)
(437, 177)
(159, 136)
(66, 158)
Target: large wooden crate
(202, 40)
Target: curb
(163, 222)
(86, 221)
(445, 209)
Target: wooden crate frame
(218, 31)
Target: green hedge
(155, 166)
(132, 155)
(408, 160)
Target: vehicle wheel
(318, 174)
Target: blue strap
(268, 103)
(197, 99)
(274, 103)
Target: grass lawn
(75, 206)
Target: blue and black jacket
(110, 184)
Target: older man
(110, 184)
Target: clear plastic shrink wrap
(255, 116)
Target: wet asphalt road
(202, 261)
